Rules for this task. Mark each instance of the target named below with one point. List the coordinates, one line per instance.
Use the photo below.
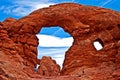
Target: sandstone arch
(85, 24)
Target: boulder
(48, 67)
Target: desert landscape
(86, 24)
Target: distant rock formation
(86, 24)
(48, 67)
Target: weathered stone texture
(86, 24)
(48, 67)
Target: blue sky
(60, 40)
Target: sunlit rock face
(86, 24)
(48, 67)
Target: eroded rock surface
(48, 67)
(87, 24)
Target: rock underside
(86, 24)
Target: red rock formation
(48, 67)
(86, 24)
(8, 22)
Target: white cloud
(52, 51)
(34, 4)
(58, 56)
(57, 53)
(52, 41)
(57, 31)
(24, 7)
(59, 61)
(106, 2)
(54, 47)
(98, 45)
(20, 11)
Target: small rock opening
(98, 44)
(54, 42)
(36, 67)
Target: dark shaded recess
(110, 28)
(43, 73)
(118, 26)
(1, 24)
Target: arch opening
(54, 42)
(98, 44)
